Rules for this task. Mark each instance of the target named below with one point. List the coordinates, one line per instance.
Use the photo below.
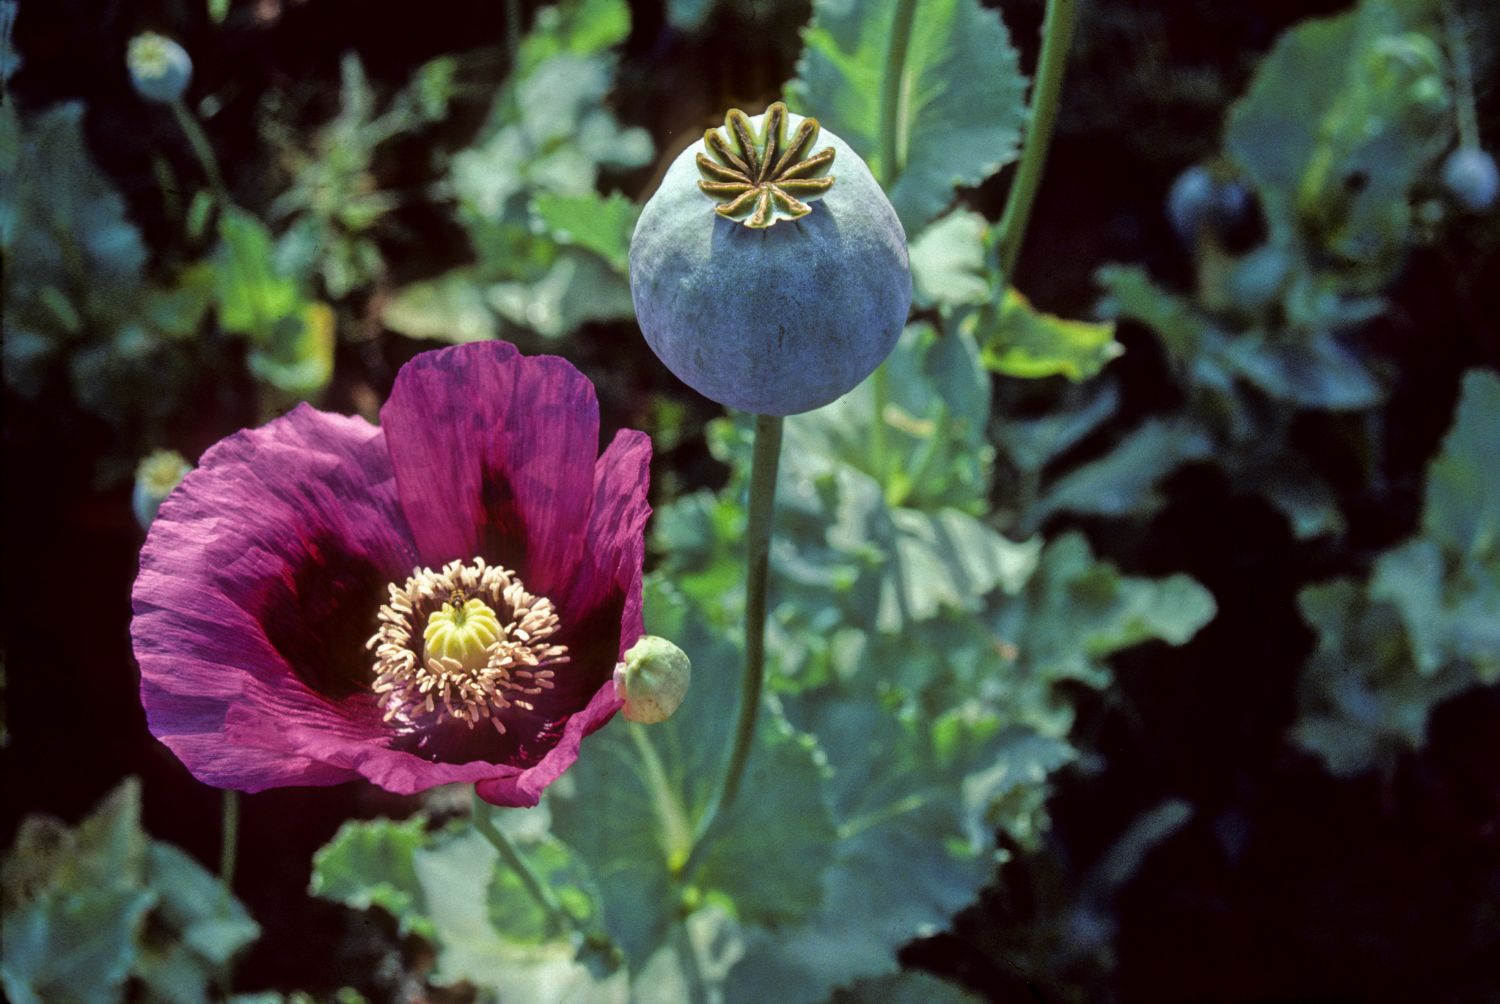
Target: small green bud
(155, 478)
(653, 679)
(159, 68)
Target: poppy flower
(442, 598)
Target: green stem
(1463, 75)
(229, 837)
(1057, 37)
(763, 465)
(669, 811)
(513, 33)
(511, 855)
(891, 118)
(202, 149)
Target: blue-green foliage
(99, 911)
(1341, 123)
(78, 306)
(1427, 623)
(551, 249)
(333, 204)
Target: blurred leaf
(689, 15)
(1130, 294)
(1319, 373)
(909, 987)
(573, 27)
(1124, 480)
(1427, 624)
(1021, 341)
(1034, 443)
(948, 261)
(68, 947)
(577, 288)
(1462, 510)
(298, 360)
(88, 909)
(962, 95)
(254, 299)
(1342, 119)
(451, 308)
(593, 222)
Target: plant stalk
(765, 460)
(1057, 38)
(511, 855)
(229, 837)
(202, 149)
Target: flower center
(484, 646)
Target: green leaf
(948, 262)
(599, 224)
(370, 864)
(451, 308)
(1020, 341)
(905, 863)
(1462, 508)
(961, 101)
(653, 784)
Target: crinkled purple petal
(494, 456)
(524, 788)
(254, 593)
(615, 548)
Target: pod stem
(1057, 37)
(765, 460)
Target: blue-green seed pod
(769, 271)
(160, 69)
(1471, 178)
(653, 680)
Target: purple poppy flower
(442, 598)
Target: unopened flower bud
(155, 478)
(160, 69)
(653, 679)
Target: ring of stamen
(465, 643)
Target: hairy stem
(557, 917)
(202, 149)
(1057, 37)
(763, 466)
(892, 118)
(1463, 74)
(229, 837)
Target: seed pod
(653, 680)
(159, 68)
(769, 271)
(1470, 176)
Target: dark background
(1285, 885)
